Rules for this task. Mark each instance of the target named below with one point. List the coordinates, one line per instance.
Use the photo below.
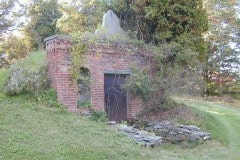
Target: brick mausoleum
(108, 66)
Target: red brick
(99, 58)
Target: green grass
(32, 130)
(3, 76)
(223, 122)
(32, 61)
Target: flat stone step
(142, 138)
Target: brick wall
(58, 65)
(105, 58)
(100, 59)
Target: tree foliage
(153, 21)
(13, 48)
(156, 22)
(81, 16)
(27, 75)
(224, 37)
(223, 60)
(43, 15)
(6, 15)
(165, 21)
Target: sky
(27, 1)
(24, 1)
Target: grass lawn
(30, 130)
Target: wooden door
(115, 97)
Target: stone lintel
(117, 72)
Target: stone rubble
(86, 114)
(143, 138)
(111, 123)
(152, 134)
(174, 133)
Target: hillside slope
(30, 130)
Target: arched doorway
(83, 85)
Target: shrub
(99, 116)
(27, 75)
(234, 90)
(139, 83)
(225, 89)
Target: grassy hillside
(30, 130)
(27, 75)
(3, 77)
(33, 128)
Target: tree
(43, 16)
(157, 21)
(223, 37)
(176, 28)
(223, 58)
(71, 22)
(11, 12)
(81, 16)
(13, 48)
(6, 15)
